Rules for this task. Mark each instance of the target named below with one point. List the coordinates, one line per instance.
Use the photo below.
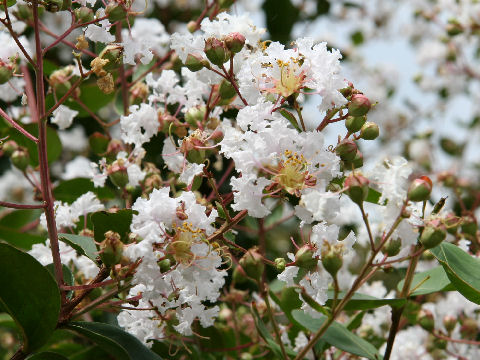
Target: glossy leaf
(29, 293)
(118, 343)
(68, 277)
(364, 302)
(427, 282)
(83, 244)
(20, 239)
(47, 355)
(54, 145)
(462, 269)
(70, 190)
(119, 222)
(338, 336)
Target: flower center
(180, 247)
(293, 173)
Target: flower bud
(469, 226)
(359, 105)
(392, 247)
(358, 160)
(234, 42)
(6, 72)
(280, 264)
(192, 26)
(239, 276)
(216, 51)
(355, 123)
(114, 147)
(115, 12)
(111, 249)
(53, 5)
(454, 28)
(346, 150)
(164, 265)
(449, 322)
(252, 263)
(9, 147)
(226, 90)
(20, 158)
(195, 115)
(98, 143)
(83, 14)
(332, 261)
(425, 320)
(356, 186)
(117, 172)
(432, 235)
(420, 189)
(469, 329)
(195, 62)
(138, 93)
(305, 258)
(369, 131)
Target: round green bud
(20, 158)
(332, 261)
(420, 189)
(9, 147)
(280, 264)
(355, 123)
(226, 90)
(6, 72)
(84, 14)
(111, 249)
(392, 247)
(432, 235)
(216, 51)
(346, 150)
(449, 322)
(165, 265)
(305, 258)
(356, 186)
(359, 105)
(234, 42)
(252, 264)
(369, 131)
(425, 320)
(195, 115)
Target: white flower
(316, 285)
(140, 125)
(63, 116)
(288, 275)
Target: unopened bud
(111, 249)
(454, 28)
(53, 5)
(192, 26)
(115, 12)
(114, 147)
(83, 14)
(239, 276)
(359, 105)
(9, 147)
(195, 62)
(235, 42)
(420, 189)
(346, 150)
(305, 258)
(449, 322)
(164, 265)
(392, 247)
(6, 72)
(20, 158)
(469, 329)
(252, 263)
(216, 51)
(117, 172)
(138, 93)
(425, 320)
(280, 264)
(332, 261)
(226, 90)
(355, 123)
(369, 131)
(356, 186)
(98, 143)
(469, 226)
(432, 235)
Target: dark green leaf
(20, 239)
(92, 352)
(120, 344)
(11, 2)
(462, 269)
(47, 355)
(365, 302)
(119, 222)
(70, 190)
(427, 282)
(68, 277)
(373, 196)
(290, 117)
(280, 15)
(338, 336)
(18, 218)
(356, 321)
(29, 294)
(83, 244)
(54, 145)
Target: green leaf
(288, 301)
(373, 196)
(47, 355)
(54, 145)
(119, 222)
(20, 239)
(265, 334)
(11, 2)
(83, 244)
(92, 352)
(30, 295)
(68, 277)
(365, 302)
(290, 117)
(18, 218)
(120, 344)
(280, 15)
(462, 269)
(427, 282)
(338, 335)
(70, 190)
